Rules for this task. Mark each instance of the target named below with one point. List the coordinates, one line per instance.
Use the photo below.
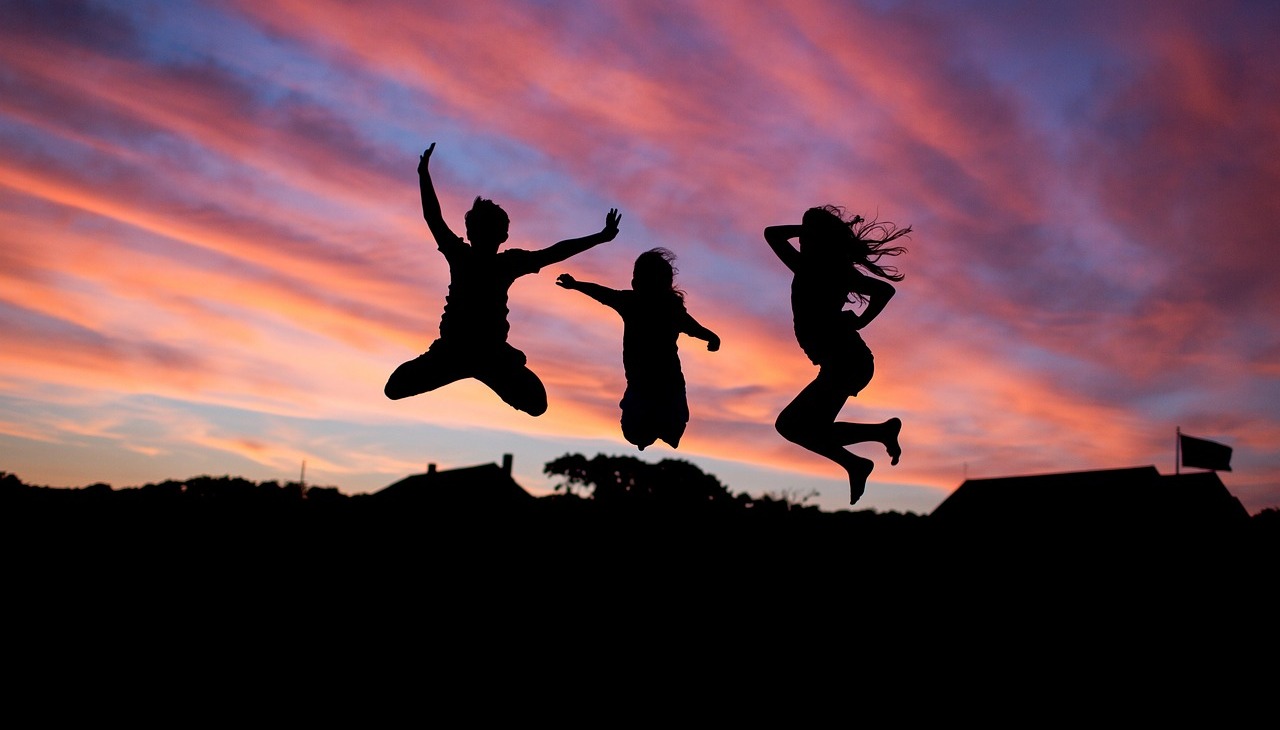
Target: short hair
(487, 213)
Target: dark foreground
(353, 584)
(565, 554)
(166, 606)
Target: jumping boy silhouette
(836, 264)
(474, 328)
(654, 405)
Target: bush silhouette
(626, 480)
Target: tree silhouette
(613, 480)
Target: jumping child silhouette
(830, 269)
(655, 405)
(473, 328)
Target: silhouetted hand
(713, 344)
(426, 157)
(611, 224)
(566, 281)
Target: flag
(1202, 454)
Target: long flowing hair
(654, 272)
(860, 241)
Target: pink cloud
(225, 231)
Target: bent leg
(639, 427)
(673, 433)
(809, 421)
(424, 373)
(518, 386)
(640, 435)
(808, 418)
(654, 412)
(675, 420)
(885, 433)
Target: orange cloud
(225, 231)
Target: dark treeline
(606, 508)
(623, 560)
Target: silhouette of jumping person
(830, 269)
(474, 328)
(654, 405)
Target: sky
(212, 251)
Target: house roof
(1097, 497)
(484, 485)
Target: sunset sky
(212, 252)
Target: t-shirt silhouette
(475, 308)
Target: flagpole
(1177, 450)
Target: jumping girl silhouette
(655, 405)
(836, 264)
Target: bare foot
(858, 473)
(894, 427)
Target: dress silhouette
(836, 264)
(655, 405)
(474, 328)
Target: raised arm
(693, 328)
(779, 239)
(878, 293)
(603, 294)
(558, 252)
(431, 204)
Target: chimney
(506, 463)
(431, 468)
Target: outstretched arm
(602, 294)
(693, 328)
(779, 239)
(878, 293)
(558, 252)
(431, 204)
